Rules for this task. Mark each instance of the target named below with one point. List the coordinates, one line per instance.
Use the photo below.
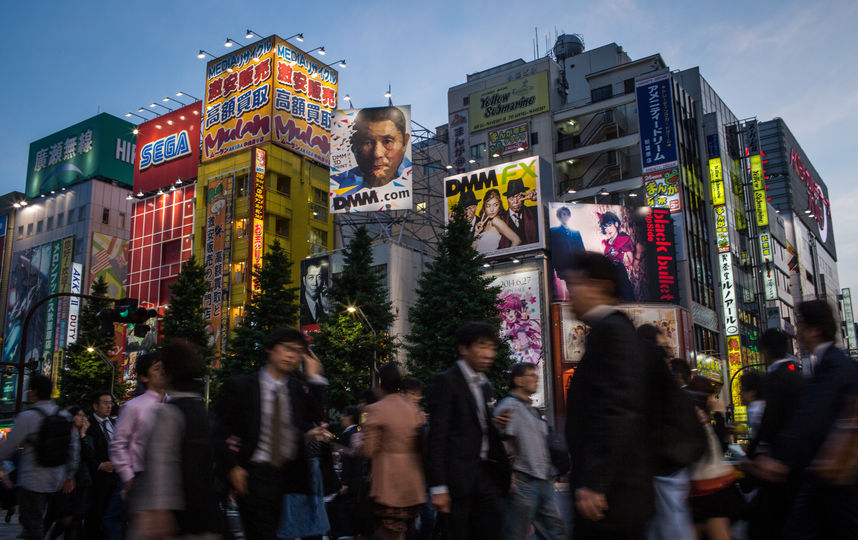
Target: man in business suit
(522, 219)
(263, 421)
(467, 465)
(104, 478)
(565, 242)
(606, 406)
(820, 510)
(781, 391)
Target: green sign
(509, 102)
(103, 145)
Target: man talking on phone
(263, 420)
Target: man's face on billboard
(379, 148)
(470, 212)
(514, 202)
(313, 280)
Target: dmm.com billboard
(168, 148)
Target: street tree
(184, 317)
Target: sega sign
(166, 149)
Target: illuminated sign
(169, 149)
(722, 231)
(166, 149)
(850, 320)
(655, 119)
(659, 235)
(768, 267)
(728, 294)
(74, 303)
(662, 189)
(256, 239)
(709, 367)
(817, 203)
(509, 102)
(734, 362)
(508, 140)
(759, 184)
(716, 181)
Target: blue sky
(64, 62)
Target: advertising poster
(257, 240)
(638, 241)
(521, 321)
(74, 303)
(502, 203)
(509, 102)
(709, 367)
(315, 284)
(662, 189)
(99, 146)
(51, 307)
(2, 242)
(218, 243)
(655, 119)
(371, 160)
(28, 283)
(509, 140)
(168, 148)
(109, 260)
(459, 141)
(728, 295)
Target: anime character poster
(521, 321)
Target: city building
(9, 203)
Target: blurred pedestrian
(467, 469)
(304, 515)
(176, 498)
(263, 422)
(412, 388)
(104, 477)
(823, 508)
(751, 394)
(49, 459)
(606, 410)
(343, 509)
(71, 508)
(531, 497)
(127, 446)
(391, 441)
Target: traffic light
(126, 311)
(106, 317)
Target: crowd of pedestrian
(642, 445)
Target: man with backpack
(49, 458)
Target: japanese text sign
(728, 294)
(662, 189)
(508, 140)
(509, 102)
(655, 119)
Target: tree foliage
(452, 290)
(184, 318)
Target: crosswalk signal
(126, 311)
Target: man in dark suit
(263, 422)
(820, 510)
(522, 219)
(467, 465)
(104, 478)
(565, 242)
(606, 406)
(315, 304)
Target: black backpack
(53, 440)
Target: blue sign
(655, 118)
(2, 225)
(171, 147)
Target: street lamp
(180, 94)
(109, 363)
(229, 41)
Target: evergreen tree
(85, 372)
(184, 317)
(345, 343)
(275, 305)
(452, 290)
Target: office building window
(105, 216)
(281, 226)
(61, 219)
(629, 86)
(39, 226)
(83, 212)
(29, 229)
(240, 228)
(478, 151)
(241, 184)
(121, 220)
(283, 183)
(20, 232)
(602, 93)
(50, 225)
(318, 239)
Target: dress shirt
(106, 426)
(475, 383)
(516, 218)
(131, 433)
(289, 435)
(818, 353)
(530, 433)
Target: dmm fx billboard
(503, 205)
(269, 91)
(257, 241)
(103, 145)
(509, 102)
(169, 148)
(371, 160)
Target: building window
(39, 226)
(83, 212)
(466, 100)
(602, 93)
(50, 226)
(20, 232)
(121, 220)
(318, 239)
(241, 184)
(61, 217)
(629, 86)
(319, 204)
(281, 226)
(29, 229)
(240, 228)
(283, 183)
(238, 272)
(171, 251)
(478, 151)
(534, 138)
(105, 216)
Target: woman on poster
(621, 249)
(491, 225)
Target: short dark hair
(595, 266)
(649, 332)
(144, 363)
(389, 377)
(183, 365)
(472, 331)
(563, 210)
(608, 218)
(818, 314)
(379, 114)
(284, 334)
(517, 370)
(774, 343)
(41, 385)
(411, 384)
(352, 412)
(97, 395)
(681, 369)
(751, 381)
(74, 409)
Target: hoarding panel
(509, 102)
(655, 119)
(109, 260)
(168, 148)
(315, 284)
(509, 140)
(371, 167)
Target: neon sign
(167, 149)
(819, 206)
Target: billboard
(503, 204)
(315, 284)
(655, 119)
(168, 148)
(99, 146)
(508, 140)
(521, 321)
(257, 241)
(109, 260)
(269, 91)
(28, 283)
(662, 189)
(509, 102)
(640, 243)
(371, 160)
(218, 244)
(74, 303)
(769, 271)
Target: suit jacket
(835, 377)
(103, 482)
(606, 424)
(455, 437)
(527, 229)
(238, 417)
(782, 392)
(564, 243)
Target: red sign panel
(168, 148)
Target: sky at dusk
(66, 61)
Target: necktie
(319, 310)
(516, 218)
(106, 427)
(275, 431)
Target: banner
(770, 286)
(257, 240)
(371, 160)
(521, 322)
(728, 294)
(509, 140)
(722, 230)
(109, 260)
(315, 284)
(218, 243)
(51, 306)
(502, 203)
(169, 148)
(662, 189)
(74, 303)
(509, 102)
(734, 363)
(655, 119)
(459, 141)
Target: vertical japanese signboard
(257, 240)
(768, 269)
(459, 141)
(655, 119)
(216, 263)
(51, 317)
(850, 321)
(759, 184)
(728, 294)
(74, 303)
(734, 363)
(722, 231)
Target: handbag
(837, 460)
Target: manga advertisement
(371, 160)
